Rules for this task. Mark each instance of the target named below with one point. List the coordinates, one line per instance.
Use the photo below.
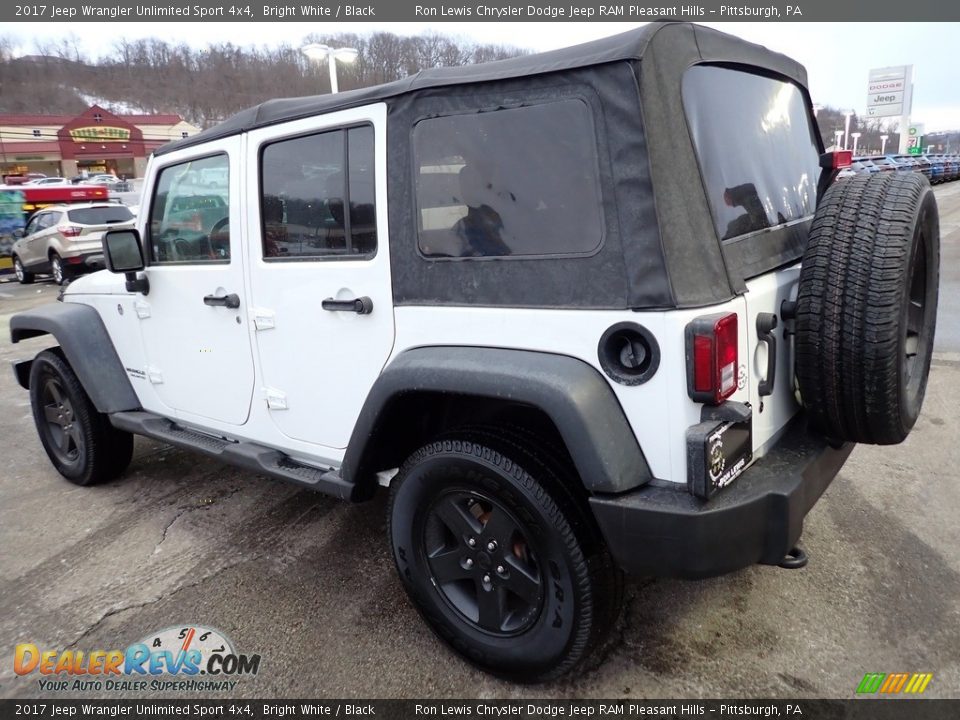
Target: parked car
(552, 360)
(66, 240)
(22, 179)
(886, 163)
(44, 181)
(105, 179)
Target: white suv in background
(66, 240)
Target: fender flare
(570, 392)
(86, 345)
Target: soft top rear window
(756, 146)
(100, 215)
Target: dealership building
(96, 141)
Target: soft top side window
(511, 182)
(756, 146)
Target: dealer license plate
(727, 453)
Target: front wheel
(23, 277)
(80, 442)
(496, 556)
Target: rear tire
(56, 269)
(80, 442)
(23, 277)
(558, 595)
(867, 307)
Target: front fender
(86, 345)
(570, 392)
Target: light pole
(846, 128)
(855, 136)
(883, 144)
(319, 52)
(837, 135)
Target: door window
(317, 196)
(189, 215)
(34, 224)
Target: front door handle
(361, 305)
(231, 301)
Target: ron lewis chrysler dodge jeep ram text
(597, 310)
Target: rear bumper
(665, 531)
(86, 261)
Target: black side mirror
(123, 253)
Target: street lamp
(318, 52)
(883, 144)
(855, 136)
(837, 135)
(846, 128)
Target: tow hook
(795, 559)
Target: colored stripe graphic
(893, 683)
(871, 682)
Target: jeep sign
(888, 91)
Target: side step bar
(247, 455)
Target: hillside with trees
(207, 85)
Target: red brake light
(712, 356)
(68, 230)
(842, 159)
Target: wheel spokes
(54, 389)
(500, 528)
(521, 582)
(490, 604)
(52, 415)
(447, 565)
(457, 518)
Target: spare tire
(867, 307)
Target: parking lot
(308, 583)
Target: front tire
(80, 442)
(497, 559)
(23, 277)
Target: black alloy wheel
(80, 441)
(501, 557)
(482, 563)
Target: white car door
(192, 320)
(320, 269)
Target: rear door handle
(231, 301)
(361, 305)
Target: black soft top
(660, 247)
(632, 45)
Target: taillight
(68, 230)
(712, 357)
(842, 159)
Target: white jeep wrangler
(597, 310)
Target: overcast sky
(838, 56)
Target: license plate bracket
(717, 454)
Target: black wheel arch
(85, 344)
(430, 389)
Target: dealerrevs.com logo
(187, 657)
